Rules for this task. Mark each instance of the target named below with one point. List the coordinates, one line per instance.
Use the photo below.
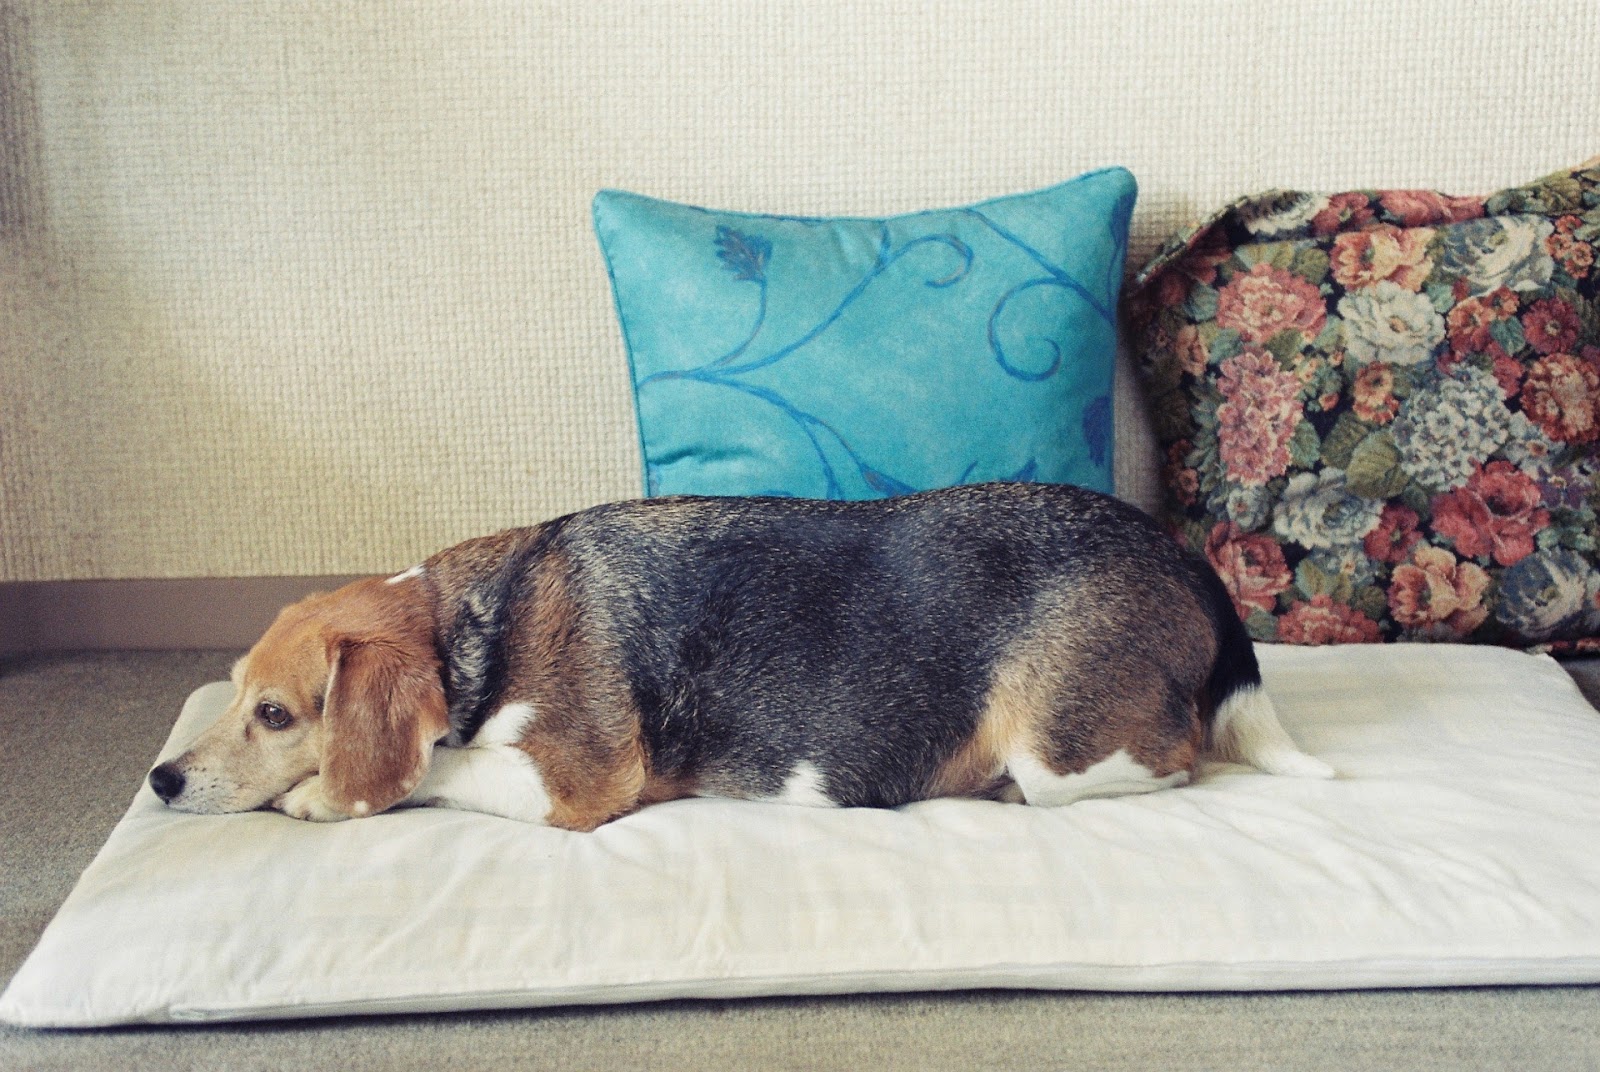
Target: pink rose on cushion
(1438, 595)
(1257, 418)
(1266, 300)
(1560, 394)
(1495, 513)
(1469, 322)
(1550, 325)
(1365, 258)
(1342, 211)
(1508, 372)
(1374, 394)
(1415, 208)
(1395, 535)
(1251, 566)
(1195, 265)
(1576, 257)
(1322, 621)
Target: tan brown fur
(1060, 698)
(384, 689)
(979, 763)
(586, 739)
(662, 787)
(453, 569)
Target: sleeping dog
(1029, 642)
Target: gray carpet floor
(80, 730)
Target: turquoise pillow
(860, 358)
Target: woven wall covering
(300, 288)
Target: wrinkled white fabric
(1456, 847)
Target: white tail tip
(1247, 730)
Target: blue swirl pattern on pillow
(861, 358)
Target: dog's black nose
(167, 781)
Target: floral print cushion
(1380, 410)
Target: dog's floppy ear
(384, 710)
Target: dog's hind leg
(1118, 774)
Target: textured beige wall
(310, 287)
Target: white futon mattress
(1458, 846)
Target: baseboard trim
(212, 612)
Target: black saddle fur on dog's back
(864, 637)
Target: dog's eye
(273, 716)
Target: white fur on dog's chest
(489, 774)
(505, 726)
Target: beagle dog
(1029, 642)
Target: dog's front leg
(495, 779)
(306, 801)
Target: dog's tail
(1245, 726)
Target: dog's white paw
(305, 801)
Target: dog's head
(346, 685)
